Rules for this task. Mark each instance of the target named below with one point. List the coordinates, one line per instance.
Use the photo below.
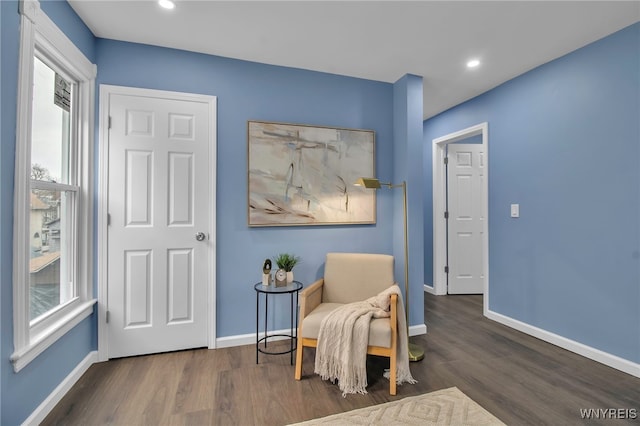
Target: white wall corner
(429, 289)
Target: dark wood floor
(519, 379)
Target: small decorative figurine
(266, 273)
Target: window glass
(51, 221)
(50, 125)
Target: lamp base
(416, 353)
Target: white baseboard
(417, 330)
(61, 390)
(602, 357)
(429, 289)
(250, 339)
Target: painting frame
(303, 175)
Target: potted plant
(287, 261)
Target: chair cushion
(352, 277)
(379, 328)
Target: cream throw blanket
(342, 342)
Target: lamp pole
(416, 353)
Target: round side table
(292, 290)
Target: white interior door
(158, 270)
(465, 177)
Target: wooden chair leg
(298, 373)
(393, 369)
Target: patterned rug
(443, 407)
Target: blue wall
(24, 391)
(252, 91)
(564, 143)
(245, 91)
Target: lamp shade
(371, 183)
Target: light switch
(515, 210)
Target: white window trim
(38, 31)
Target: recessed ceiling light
(473, 63)
(167, 4)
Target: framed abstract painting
(304, 175)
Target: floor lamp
(416, 353)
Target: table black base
(265, 338)
(292, 290)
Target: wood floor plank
(193, 418)
(198, 377)
(519, 379)
(233, 397)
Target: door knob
(200, 236)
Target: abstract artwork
(304, 175)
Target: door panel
(137, 287)
(465, 174)
(181, 197)
(158, 200)
(180, 276)
(138, 190)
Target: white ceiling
(378, 40)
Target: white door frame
(105, 92)
(439, 204)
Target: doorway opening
(440, 240)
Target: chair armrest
(310, 298)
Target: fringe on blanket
(342, 343)
(342, 346)
(403, 372)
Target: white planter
(289, 277)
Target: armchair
(350, 277)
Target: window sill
(23, 356)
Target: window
(52, 218)
(53, 192)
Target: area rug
(443, 407)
